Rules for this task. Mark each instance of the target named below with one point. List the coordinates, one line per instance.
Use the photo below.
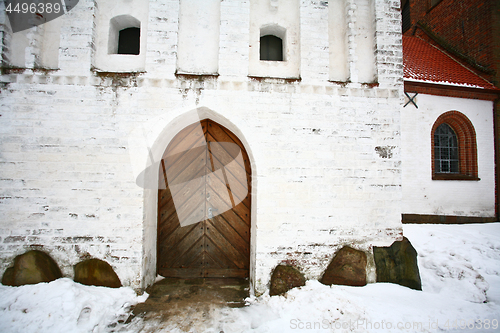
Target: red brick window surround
(456, 123)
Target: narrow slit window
(129, 41)
(434, 2)
(406, 18)
(446, 150)
(271, 48)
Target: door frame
(227, 259)
(163, 129)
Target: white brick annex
(321, 128)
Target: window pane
(454, 153)
(437, 141)
(445, 166)
(454, 166)
(446, 150)
(271, 48)
(454, 142)
(129, 41)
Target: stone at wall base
(398, 264)
(348, 268)
(95, 272)
(285, 278)
(31, 267)
(8, 277)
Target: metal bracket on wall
(411, 99)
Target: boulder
(285, 278)
(8, 277)
(95, 272)
(398, 264)
(348, 268)
(31, 267)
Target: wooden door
(218, 245)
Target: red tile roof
(427, 63)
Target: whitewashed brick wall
(319, 180)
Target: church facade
(98, 105)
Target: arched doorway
(204, 200)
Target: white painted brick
(66, 175)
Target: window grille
(446, 150)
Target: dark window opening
(434, 2)
(129, 41)
(446, 150)
(271, 48)
(406, 16)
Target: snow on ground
(459, 267)
(64, 306)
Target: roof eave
(437, 89)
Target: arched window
(124, 35)
(454, 150)
(445, 150)
(271, 48)
(272, 43)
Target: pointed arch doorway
(204, 204)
